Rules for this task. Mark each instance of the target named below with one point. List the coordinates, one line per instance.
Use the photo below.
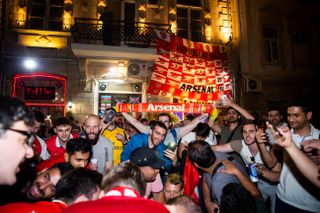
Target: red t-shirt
(50, 162)
(39, 207)
(52, 147)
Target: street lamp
(69, 105)
(30, 64)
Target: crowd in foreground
(243, 163)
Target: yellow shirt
(117, 144)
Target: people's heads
(144, 121)
(63, 127)
(201, 154)
(202, 131)
(189, 206)
(39, 120)
(15, 121)
(148, 161)
(298, 114)
(188, 118)
(79, 185)
(92, 128)
(158, 133)
(232, 115)
(44, 186)
(165, 118)
(152, 123)
(235, 198)
(78, 152)
(173, 186)
(124, 175)
(249, 130)
(274, 116)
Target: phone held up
(110, 113)
(171, 146)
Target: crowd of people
(232, 162)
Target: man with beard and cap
(102, 148)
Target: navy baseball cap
(145, 156)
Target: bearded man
(102, 148)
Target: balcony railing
(136, 34)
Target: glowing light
(22, 16)
(70, 104)
(67, 20)
(30, 64)
(173, 27)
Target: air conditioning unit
(253, 85)
(139, 69)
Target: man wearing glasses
(15, 121)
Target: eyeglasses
(29, 135)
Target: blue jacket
(141, 140)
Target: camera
(110, 113)
(171, 146)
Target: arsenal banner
(190, 70)
(166, 107)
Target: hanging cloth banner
(166, 107)
(190, 70)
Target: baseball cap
(145, 156)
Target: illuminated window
(45, 14)
(189, 23)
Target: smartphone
(172, 146)
(110, 113)
(276, 130)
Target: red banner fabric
(191, 180)
(190, 70)
(166, 107)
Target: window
(194, 3)
(270, 44)
(153, 2)
(45, 14)
(189, 23)
(271, 34)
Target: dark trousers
(284, 207)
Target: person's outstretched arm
(240, 109)
(134, 122)
(230, 168)
(306, 166)
(267, 156)
(188, 128)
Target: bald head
(92, 118)
(92, 128)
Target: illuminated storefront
(42, 91)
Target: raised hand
(229, 168)
(282, 136)
(261, 136)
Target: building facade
(83, 59)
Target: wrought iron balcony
(137, 34)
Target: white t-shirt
(289, 189)
(191, 136)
